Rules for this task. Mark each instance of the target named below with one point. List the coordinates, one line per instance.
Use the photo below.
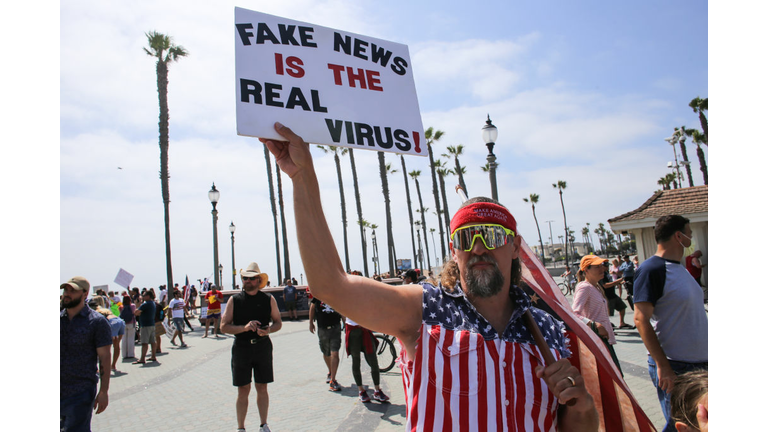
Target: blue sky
(584, 92)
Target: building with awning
(690, 202)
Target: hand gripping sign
(331, 87)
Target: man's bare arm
(105, 365)
(372, 304)
(643, 313)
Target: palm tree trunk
(565, 224)
(410, 210)
(685, 158)
(162, 94)
(343, 207)
(461, 175)
(539, 231)
(704, 125)
(423, 222)
(385, 191)
(437, 198)
(286, 259)
(359, 212)
(702, 163)
(274, 214)
(447, 217)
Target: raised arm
(372, 304)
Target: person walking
(84, 341)
(177, 314)
(591, 304)
(329, 337)
(361, 340)
(214, 297)
(247, 316)
(627, 269)
(129, 339)
(289, 297)
(146, 314)
(669, 312)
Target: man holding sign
(469, 361)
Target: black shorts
(253, 359)
(616, 303)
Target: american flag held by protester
(616, 406)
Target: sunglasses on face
(492, 236)
(250, 278)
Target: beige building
(691, 202)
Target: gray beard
(483, 283)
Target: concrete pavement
(190, 389)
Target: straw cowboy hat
(253, 270)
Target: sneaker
(183, 345)
(364, 397)
(335, 386)
(328, 379)
(380, 396)
(264, 428)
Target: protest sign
(123, 278)
(329, 86)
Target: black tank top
(248, 308)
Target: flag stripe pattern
(617, 407)
(465, 376)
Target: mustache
(482, 258)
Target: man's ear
(682, 427)
(516, 241)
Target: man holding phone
(247, 316)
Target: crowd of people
(477, 313)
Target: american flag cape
(616, 406)
(186, 289)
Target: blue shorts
(179, 323)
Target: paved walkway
(190, 389)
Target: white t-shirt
(177, 308)
(161, 296)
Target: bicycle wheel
(563, 288)
(385, 353)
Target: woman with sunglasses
(591, 304)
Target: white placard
(123, 278)
(329, 86)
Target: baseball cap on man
(252, 271)
(78, 283)
(591, 260)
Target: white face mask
(690, 249)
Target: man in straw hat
(247, 316)
(469, 360)
(85, 336)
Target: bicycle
(564, 288)
(386, 352)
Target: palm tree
(455, 152)
(415, 176)
(560, 185)
(363, 225)
(385, 191)
(534, 199)
(410, 209)
(286, 259)
(359, 212)
(274, 213)
(336, 150)
(430, 136)
(681, 133)
(443, 171)
(423, 226)
(699, 106)
(591, 243)
(585, 236)
(162, 47)
(699, 139)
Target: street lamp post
(213, 195)
(490, 133)
(232, 230)
(221, 274)
(672, 141)
(417, 224)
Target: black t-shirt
(610, 293)
(248, 308)
(325, 315)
